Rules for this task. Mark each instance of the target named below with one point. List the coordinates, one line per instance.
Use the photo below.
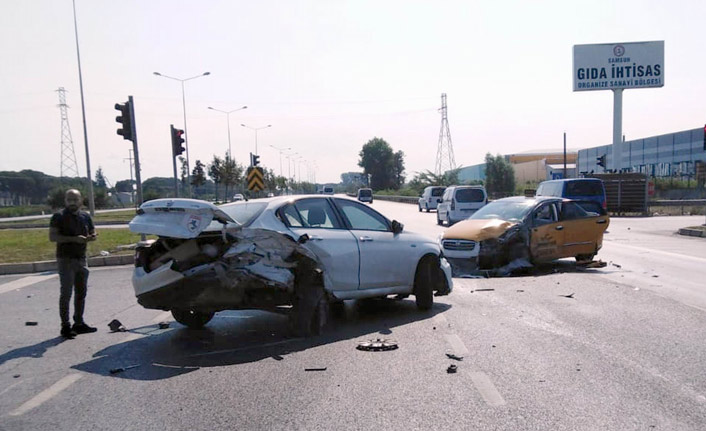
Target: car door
(329, 240)
(547, 236)
(443, 208)
(583, 229)
(383, 261)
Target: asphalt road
(563, 349)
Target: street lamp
(256, 129)
(280, 156)
(230, 154)
(186, 134)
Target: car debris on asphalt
(454, 357)
(116, 326)
(121, 369)
(570, 296)
(378, 345)
(315, 369)
(163, 325)
(452, 369)
(31, 323)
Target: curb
(50, 265)
(692, 232)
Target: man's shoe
(67, 332)
(82, 328)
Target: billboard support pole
(617, 127)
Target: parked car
(583, 189)
(460, 202)
(365, 195)
(238, 197)
(430, 198)
(538, 229)
(265, 253)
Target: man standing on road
(71, 229)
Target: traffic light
(254, 159)
(177, 140)
(125, 120)
(601, 161)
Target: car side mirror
(397, 227)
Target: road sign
(255, 179)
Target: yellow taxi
(538, 229)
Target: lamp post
(186, 133)
(280, 156)
(230, 153)
(256, 129)
(289, 169)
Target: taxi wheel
(518, 250)
(424, 282)
(192, 319)
(420, 208)
(438, 220)
(585, 257)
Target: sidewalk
(50, 265)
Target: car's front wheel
(192, 319)
(424, 282)
(438, 220)
(420, 208)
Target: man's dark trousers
(72, 271)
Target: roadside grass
(113, 217)
(25, 210)
(30, 245)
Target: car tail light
(453, 205)
(605, 205)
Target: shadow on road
(236, 337)
(33, 351)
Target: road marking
(440, 319)
(46, 394)
(456, 344)
(665, 253)
(161, 317)
(487, 389)
(25, 281)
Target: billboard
(611, 66)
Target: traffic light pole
(135, 151)
(174, 156)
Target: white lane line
(25, 281)
(456, 344)
(46, 394)
(440, 319)
(161, 317)
(655, 251)
(487, 389)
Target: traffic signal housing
(125, 120)
(254, 159)
(601, 161)
(177, 141)
(704, 137)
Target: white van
(431, 198)
(328, 190)
(460, 202)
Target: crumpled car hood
(477, 230)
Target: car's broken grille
(459, 244)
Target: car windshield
(470, 195)
(438, 191)
(511, 211)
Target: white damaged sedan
(304, 251)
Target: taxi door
(547, 234)
(583, 228)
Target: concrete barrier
(50, 265)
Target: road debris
(163, 325)
(483, 290)
(616, 265)
(452, 369)
(655, 276)
(378, 345)
(16, 376)
(570, 295)
(31, 323)
(520, 290)
(315, 369)
(121, 369)
(116, 326)
(454, 357)
(105, 253)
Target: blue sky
(330, 75)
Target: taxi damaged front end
(480, 244)
(213, 270)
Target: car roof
(567, 180)
(536, 199)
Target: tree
(100, 178)
(398, 169)
(124, 186)
(215, 172)
(499, 176)
(183, 172)
(198, 175)
(231, 173)
(377, 159)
